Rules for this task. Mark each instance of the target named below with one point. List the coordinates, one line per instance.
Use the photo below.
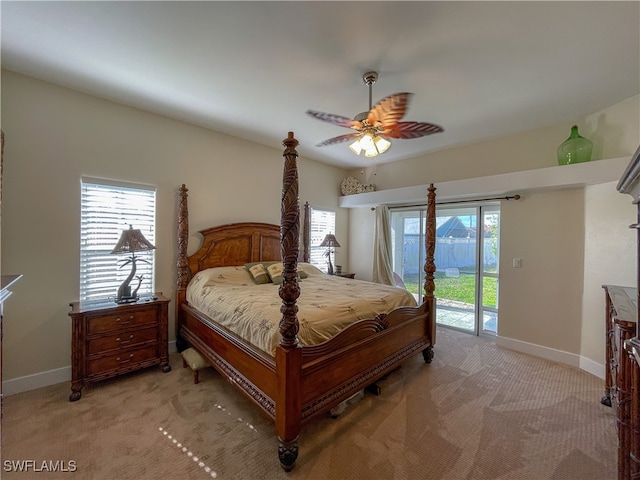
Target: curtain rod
(474, 200)
(512, 197)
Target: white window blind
(107, 209)
(322, 222)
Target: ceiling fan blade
(340, 139)
(335, 119)
(389, 111)
(407, 130)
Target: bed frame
(300, 382)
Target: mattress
(327, 304)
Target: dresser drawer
(122, 360)
(124, 339)
(132, 318)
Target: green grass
(461, 289)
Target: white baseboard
(554, 355)
(592, 367)
(44, 379)
(37, 380)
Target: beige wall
(53, 136)
(540, 302)
(525, 151)
(569, 240)
(610, 255)
(609, 258)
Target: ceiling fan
(376, 126)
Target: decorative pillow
(275, 272)
(259, 273)
(309, 269)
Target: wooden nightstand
(108, 339)
(346, 275)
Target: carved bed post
(306, 234)
(289, 353)
(430, 268)
(183, 262)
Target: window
(322, 222)
(108, 208)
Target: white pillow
(225, 276)
(309, 269)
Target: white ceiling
(251, 69)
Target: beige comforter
(327, 304)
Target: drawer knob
(126, 359)
(123, 342)
(124, 322)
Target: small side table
(109, 339)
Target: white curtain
(382, 271)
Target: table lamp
(330, 242)
(131, 241)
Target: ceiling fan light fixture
(356, 147)
(382, 144)
(372, 145)
(372, 152)
(366, 141)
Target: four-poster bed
(298, 382)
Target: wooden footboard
(360, 355)
(299, 383)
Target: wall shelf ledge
(539, 179)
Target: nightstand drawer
(122, 339)
(122, 360)
(131, 318)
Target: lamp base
(125, 295)
(329, 268)
(120, 300)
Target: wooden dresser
(621, 320)
(628, 418)
(108, 339)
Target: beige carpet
(477, 412)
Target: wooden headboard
(236, 244)
(231, 244)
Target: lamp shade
(329, 241)
(132, 240)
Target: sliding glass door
(466, 256)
